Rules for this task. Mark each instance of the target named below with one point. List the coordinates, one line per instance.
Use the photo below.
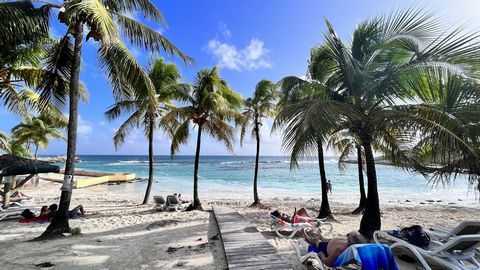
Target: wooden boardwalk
(245, 247)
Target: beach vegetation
(106, 23)
(261, 105)
(210, 106)
(147, 111)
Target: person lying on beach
(329, 249)
(75, 212)
(300, 216)
(18, 196)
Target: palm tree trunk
(256, 199)
(150, 160)
(361, 182)
(59, 223)
(325, 211)
(371, 220)
(36, 151)
(196, 201)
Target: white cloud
(224, 31)
(252, 57)
(84, 127)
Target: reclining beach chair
(278, 225)
(456, 254)
(469, 227)
(173, 204)
(160, 203)
(363, 256)
(15, 211)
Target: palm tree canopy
(165, 78)
(261, 105)
(39, 131)
(211, 104)
(107, 24)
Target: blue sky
(250, 40)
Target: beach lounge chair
(160, 203)
(278, 225)
(15, 211)
(468, 227)
(456, 254)
(173, 204)
(364, 256)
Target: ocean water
(232, 176)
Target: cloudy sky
(250, 40)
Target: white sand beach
(118, 233)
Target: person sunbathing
(75, 212)
(300, 216)
(18, 196)
(329, 249)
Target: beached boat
(86, 179)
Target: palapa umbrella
(11, 165)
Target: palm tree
(303, 135)
(148, 113)
(105, 21)
(257, 107)
(11, 146)
(38, 131)
(211, 103)
(344, 143)
(375, 71)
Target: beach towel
(35, 219)
(369, 256)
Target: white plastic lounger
(160, 203)
(469, 227)
(15, 211)
(173, 204)
(279, 225)
(456, 254)
(361, 256)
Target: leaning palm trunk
(59, 224)
(361, 182)
(371, 218)
(325, 211)
(256, 199)
(150, 160)
(196, 201)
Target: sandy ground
(119, 233)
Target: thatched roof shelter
(15, 165)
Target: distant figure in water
(329, 186)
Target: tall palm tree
(259, 106)
(211, 104)
(303, 136)
(146, 112)
(344, 143)
(105, 21)
(374, 72)
(38, 131)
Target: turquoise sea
(231, 177)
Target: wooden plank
(245, 247)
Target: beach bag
(415, 235)
(27, 214)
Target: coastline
(119, 233)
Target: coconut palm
(375, 71)
(105, 21)
(303, 136)
(38, 131)
(257, 107)
(346, 144)
(148, 113)
(11, 146)
(211, 104)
